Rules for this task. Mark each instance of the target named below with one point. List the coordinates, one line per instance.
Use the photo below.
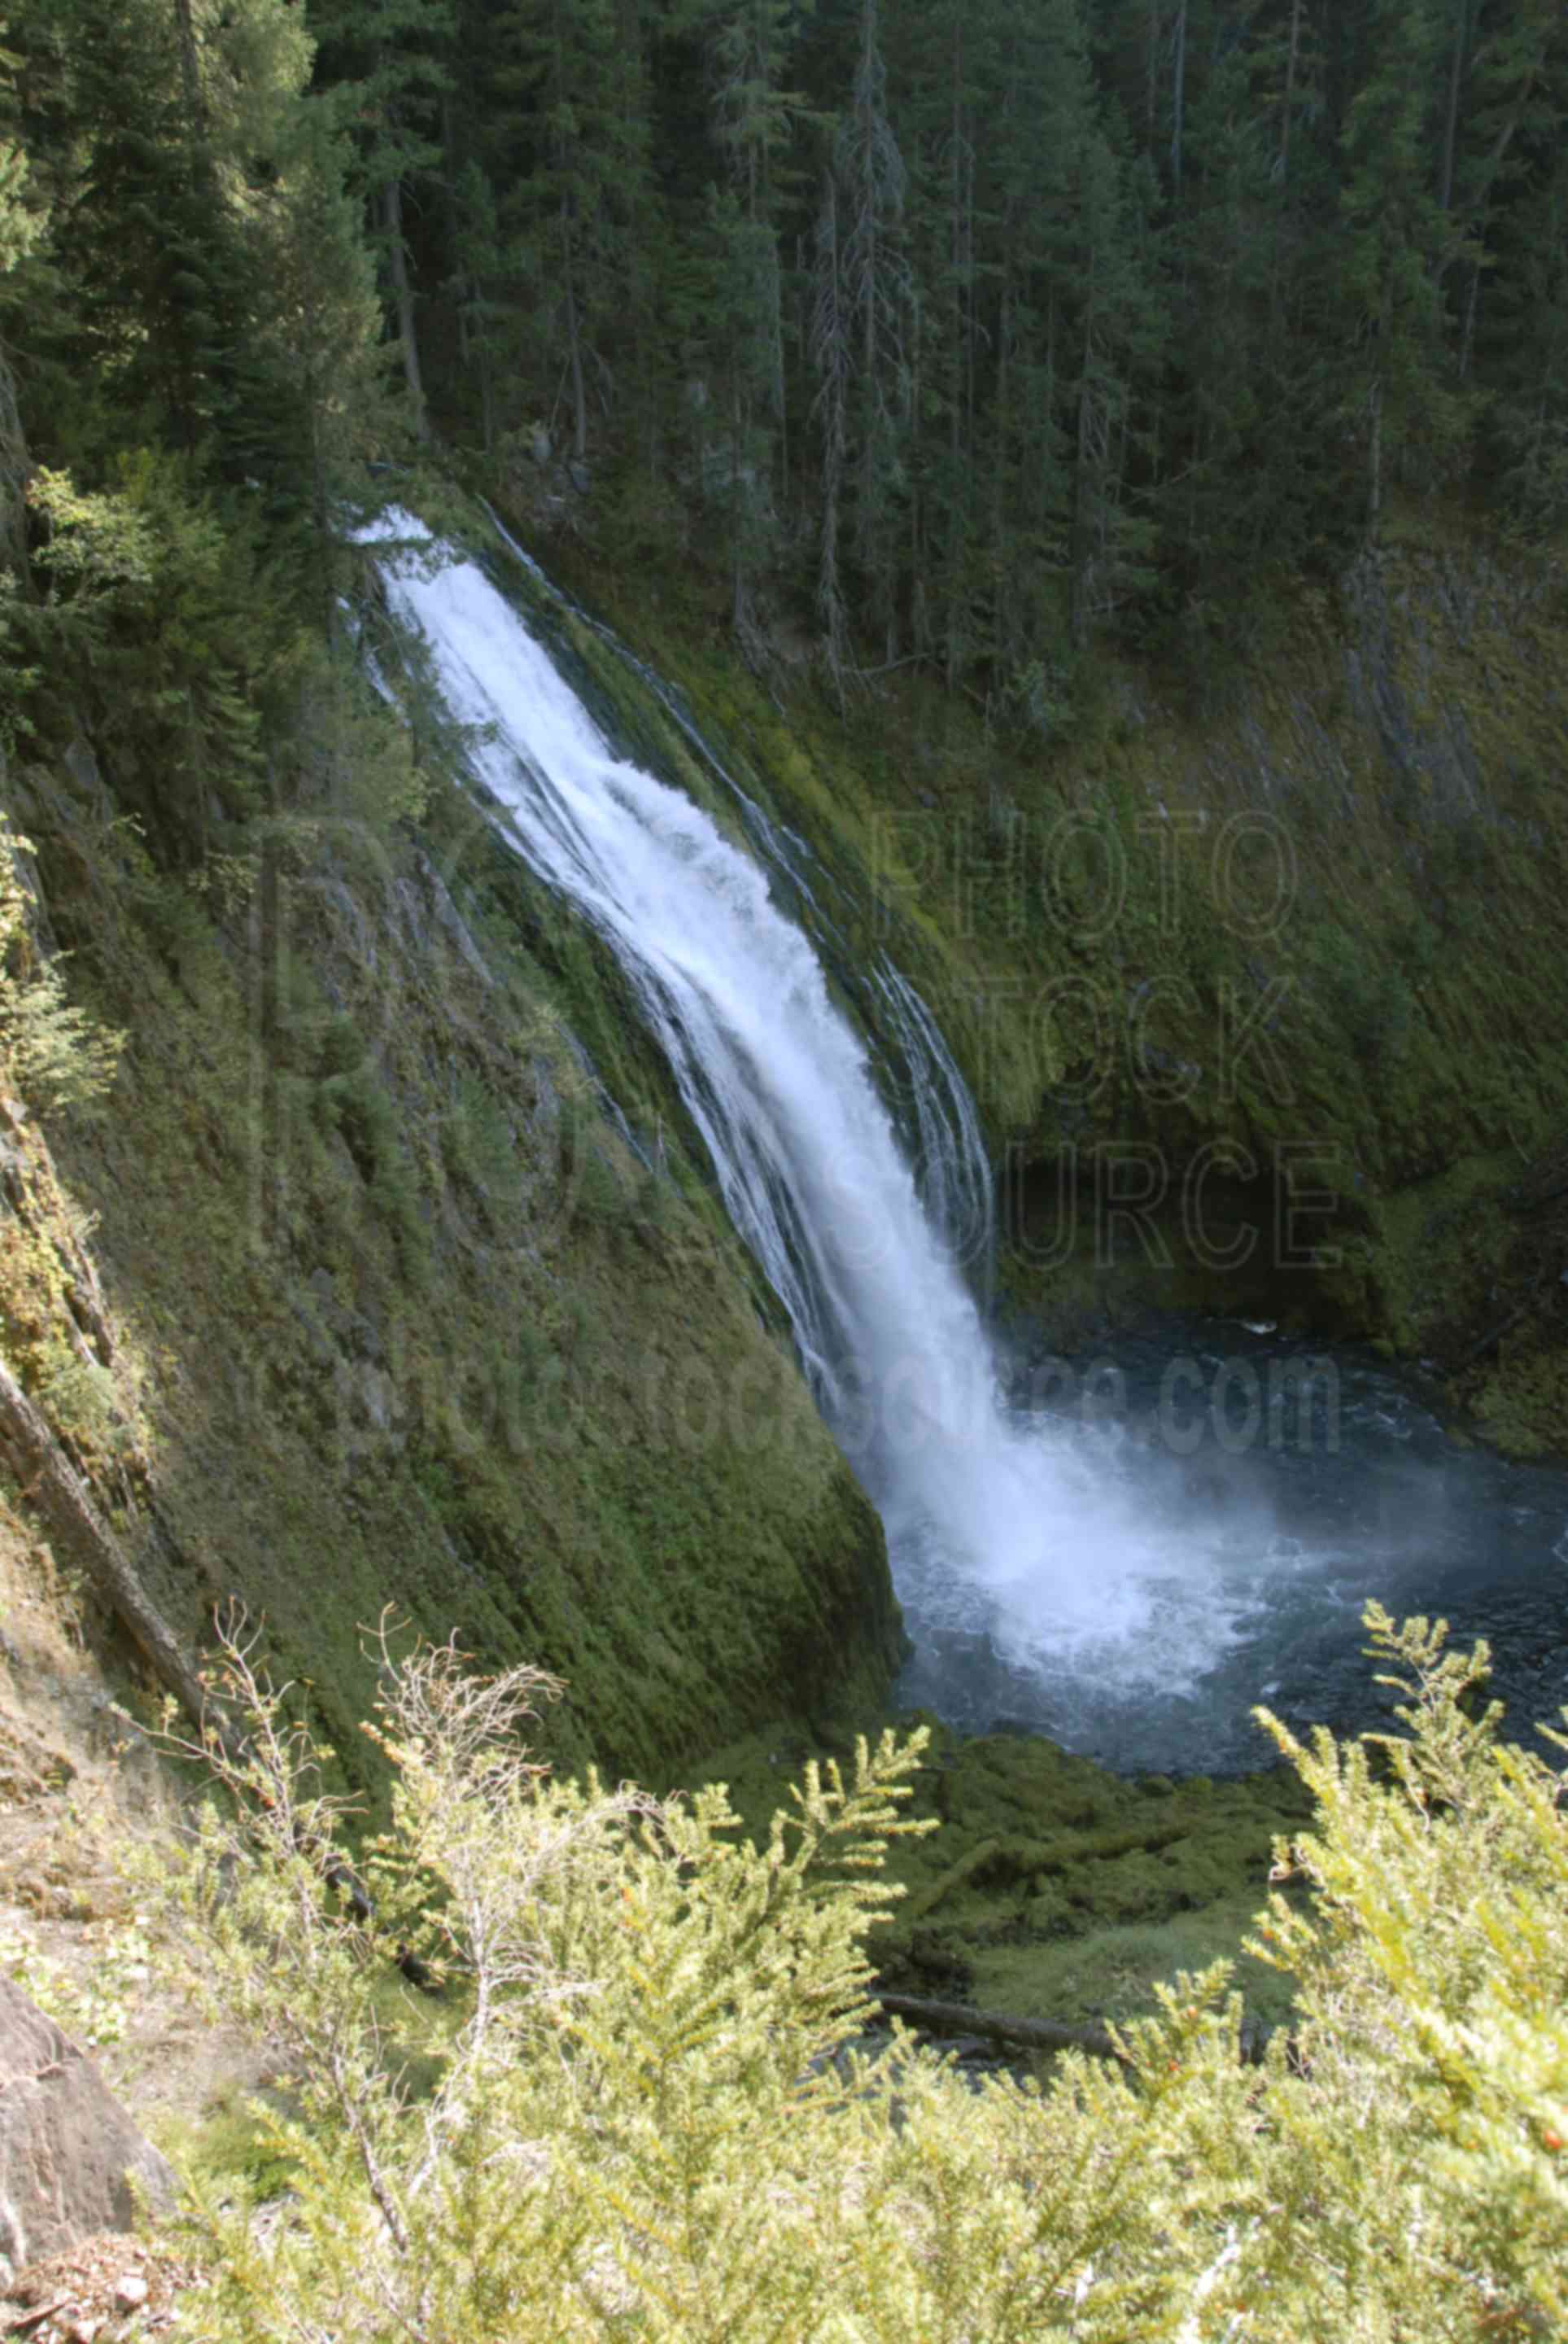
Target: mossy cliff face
(1256, 968)
(403, 1316)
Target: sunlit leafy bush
(638, 2107)
(51, 1052)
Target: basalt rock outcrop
(72, 2163)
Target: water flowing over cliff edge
(1046, 1570)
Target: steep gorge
(1255, 967)
(421, 1292)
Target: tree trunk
(15, 467)
(321, 519)
(486, 375)
(403, 295)
(1081, 532)
(1152, 73)
(1468, 347)
(574, 345)
(1290, 91)
(1178, 98)
(1496, 158)
(958, 392)
(1455, 77)
(190, 70)
(738, 436)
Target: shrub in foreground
(636, 2110)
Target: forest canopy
(966, 330)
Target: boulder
(68, 2152)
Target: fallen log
(80, 1538)
(1016, 1857)
(1490, 1341)
(1030, 2034)
(21, 2322)
(997, 2026)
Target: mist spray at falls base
(1033, 1557)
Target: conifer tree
(948, 68)
(1116, 337)
(388, 61)
(1395, 397)
(755, 120)
(319, 321)
(1521, 336)
(642, 2108)
(1057, 302)
(1504, 126)
(1062, 247)
(23, 221)
(831, 359)
(865, 319)
(579, 201)
(477, 268)
(156, 299)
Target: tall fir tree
(388, 61)
(865, 331)
(755, 116)
(1398, 399)
(578, 200)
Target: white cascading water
(1007, 1527)
(955, 1171)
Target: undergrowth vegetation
(51, 1052)
(634, 2099)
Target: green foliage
(1432, 1968)
(157, 599)
(22, 219)
(1371, 1006)
(638, 2106)
(358, 1102)
(93, 545)
(480, 1140)
(314, 405)
(17, 680)
(52, 1053)
(97, 2009)
(194, 273)
(978, 333)
(357, 767)
(386, 57)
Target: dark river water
(1252, 1494)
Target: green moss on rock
(423, 1329)
(1053, 1889)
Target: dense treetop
(967, 330)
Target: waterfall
(955, 1171)
(940, 1118)
(1006, 1529)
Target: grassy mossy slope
(407, 1314)
(1054, 1890)
(1285, 926)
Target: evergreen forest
(953, 334)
